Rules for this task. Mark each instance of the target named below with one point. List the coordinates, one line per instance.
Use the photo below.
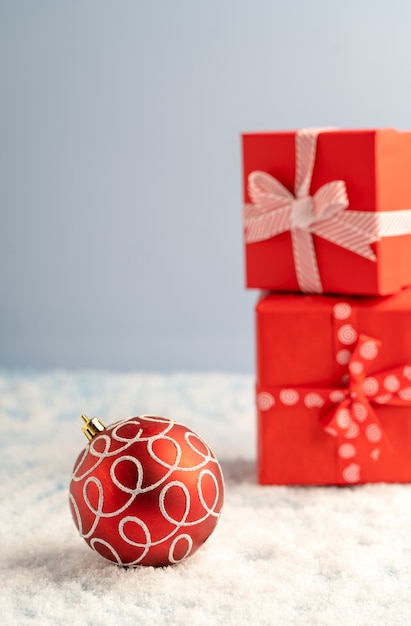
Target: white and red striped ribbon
(274, 210)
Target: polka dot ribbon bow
(348, 411)
(274, 210)
(353, 420)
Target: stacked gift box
(327, 228)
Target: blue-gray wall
(120, 181)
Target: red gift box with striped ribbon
(328, 211)
(334, 389)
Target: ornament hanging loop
(91, 427)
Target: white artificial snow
(279, 555)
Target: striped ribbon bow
(274, 210)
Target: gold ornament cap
(91, 427)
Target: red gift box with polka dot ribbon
(327, 211)
(333, 389)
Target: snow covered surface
(279, 555)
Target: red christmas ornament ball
(145, 491)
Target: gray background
(120, 166)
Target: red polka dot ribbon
(348, 411)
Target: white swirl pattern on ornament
(173, 546)
(118, 483)
(97, 541)
(170, 466)
(210, 509)
(97, 512)
(132, 519)
(188, 438)
(101, 455)
(99, 448)
(179, 485)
